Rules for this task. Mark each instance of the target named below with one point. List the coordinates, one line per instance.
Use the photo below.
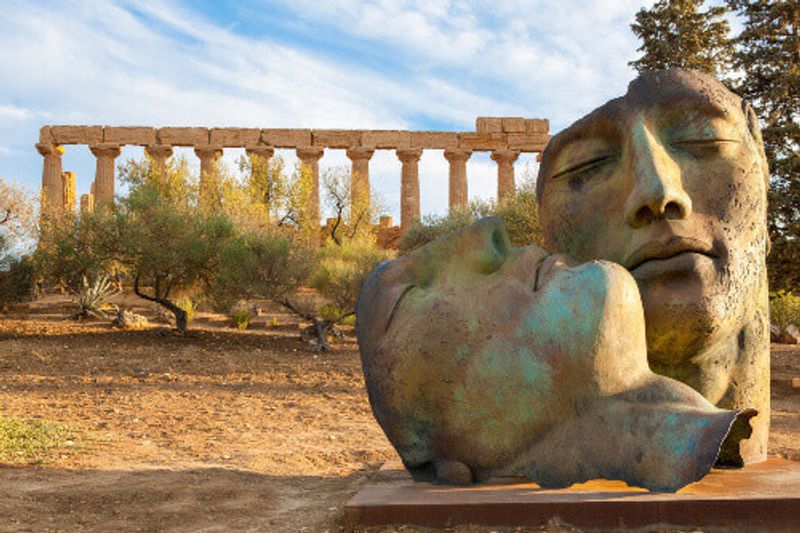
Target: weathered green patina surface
(670, 181)
(480, 357)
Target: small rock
(774, 333)
(791, 335)
(129, 320)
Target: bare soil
(221, 430)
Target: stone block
(763, 496)
(46, 136)
(514, 125)
(528, 142)
(537, 125)
(183, 136)
(286, 138)
(483, 141)
(434, 139)
(489, 125)
(336, 138)
(386, 139)
(138, 135)
(235, 137)
(77, 134)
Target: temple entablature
(504, 137)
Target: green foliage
(188, 305)
(92, 297)
(784, 309)
(31, 440)
(241, 317)
(768, 54)
(342, 270)
(260, 262)
(519, 213)
(16, 282)
(675, 33)
(73, 248)
(353, 215)
(176, 185)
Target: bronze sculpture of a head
(670, 182)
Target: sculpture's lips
(663, 250)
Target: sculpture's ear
(755, 133)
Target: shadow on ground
(197, 499)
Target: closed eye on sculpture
(583, 167)
(397, 305)
(702, 146)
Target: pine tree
(675, 33)
(768, 55)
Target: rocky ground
(222, 430)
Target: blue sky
(326, 64)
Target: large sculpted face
(482, 355)
(669, 181)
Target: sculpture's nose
(481, 248)
(656, 184)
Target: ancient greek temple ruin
(504, 137)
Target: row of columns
(106, 154)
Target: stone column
(264, 152)
(259, 155)
(409, 188)
(105, 153)
(458, 196)
(309, 157)
(51, 175)
(359, 175)
(208, 159)
(87, 203)
(505, 171)
(68, 190)
(159, 153)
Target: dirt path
(222, 431)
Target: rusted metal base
(764, 496)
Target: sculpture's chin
(683, 324)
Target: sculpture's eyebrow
(693, 102)
(595, 127)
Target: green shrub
(93, 296)
(188, 305)
(241, 317)
(519, 213)
(25, 440)
(16, 282)
(784, 309)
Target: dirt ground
(223, 430)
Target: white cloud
(406, 64)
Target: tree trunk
(320, 328)
(181, 317)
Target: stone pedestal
(359, 176)
(458, 196)
(51, 176)
(505, 172)
(105, 153)
(409, 189)
(159, 153)
(762, 497)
